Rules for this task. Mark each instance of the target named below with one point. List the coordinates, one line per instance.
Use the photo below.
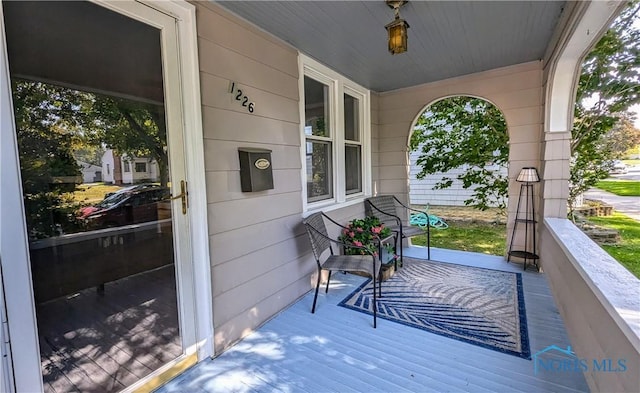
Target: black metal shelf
(523, 254)
(525, 217)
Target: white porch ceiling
(446, 38)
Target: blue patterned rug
(479, 306)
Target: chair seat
(351, 263)
(408, 230)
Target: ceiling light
(397, 29)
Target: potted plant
(365, 232)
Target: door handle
(184, 196)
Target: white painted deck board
(337, 349)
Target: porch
(337, 349)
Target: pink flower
(345, 231)
(357, 243)
(351, 234)
(376, 230)
(360, 230)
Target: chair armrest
(410, 209)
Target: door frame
(13, 233)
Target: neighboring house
(421, 191)
(238, 75)
(128, 170)
(90, 173)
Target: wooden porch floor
(337, 349)
(93, 343)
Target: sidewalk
(623, 204)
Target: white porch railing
(599, 301)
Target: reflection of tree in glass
(53, 123)
(319, 127)
(131, 128)
(45, 122)
(320, 162)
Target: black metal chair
(386, 207)
(321, 242)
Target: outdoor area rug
(479, 306)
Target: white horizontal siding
(421, 191)
(256, 243)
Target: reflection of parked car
(617, 167)
(130, 205)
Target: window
(141, 166)
(127, 167)
(108, 169)
(336, 156)
(318, 140)
(352, 145)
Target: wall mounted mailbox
(255, 169)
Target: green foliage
(130, 128)
(43, 116)
(45, 121)
(363, 233)
(56, 125)
(51, 214)
(89, 153)
(470, 133)
(620, 187)
(608, 86)
(627, 252)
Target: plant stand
(526, 218)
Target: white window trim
(338, 86)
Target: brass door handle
(184, 195)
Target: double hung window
(336, 153)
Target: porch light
(528, 175)
(397, 29)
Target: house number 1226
(240, 96)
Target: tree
(622, 137)
(465, 132)
(609, 84)
(45, 127)
(131, 128)
(56, 125)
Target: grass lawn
(627, 252)
(93, 193)
(484, 238)
(620, 187)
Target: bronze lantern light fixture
(397, 29)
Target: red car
(131, 205)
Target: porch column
(554, 171)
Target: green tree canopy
(131, 128)
(57, 125)
(609, 85)
(46, 133)
(470, 133)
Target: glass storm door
(98, 130)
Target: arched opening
(459, 156)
